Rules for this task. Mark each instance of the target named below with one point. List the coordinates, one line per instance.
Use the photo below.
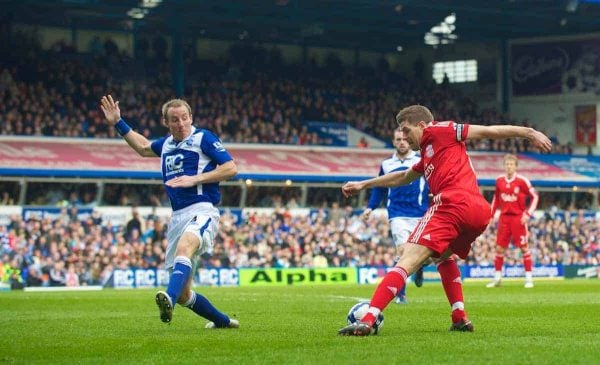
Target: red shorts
(453, 221)
(509, 226)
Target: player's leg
(474, 223)
(200, 305)
(418, 275)
(204, 228)
(521, 236)
(413, 256)
(180, 275)
(447, 266)
(400, 232)
(502, 241)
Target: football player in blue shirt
(193, 162)
(405, 204)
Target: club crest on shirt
(516, 190)
(429, 151)
(189, 142)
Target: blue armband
(122, 127)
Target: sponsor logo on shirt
(219, 146)
(429, 170)
(174, 164)
(508, 197)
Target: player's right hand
(110, 108)
(540, 141)
(351, 188)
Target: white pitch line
(358, 299)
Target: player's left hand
(351, 188)
(524, 219)
(183, 181)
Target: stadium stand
(256, 99)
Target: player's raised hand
(183, 181)
(540, 141)
(351, 188)
(110, 108)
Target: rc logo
(174, 164)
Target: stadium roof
(380, 25)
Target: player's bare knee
(413, 257)
(187, 245)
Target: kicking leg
(413, 257)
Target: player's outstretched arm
(538, 138)
(392, 179)
(112, 113)
(223, 172)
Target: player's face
(413, 134)
(510, 166)
(179, 122)
(401, 143)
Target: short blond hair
(414, 114)
(510, 156)
(175, 103)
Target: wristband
(122, 127)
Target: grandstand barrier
(151, 278)
(112, 159)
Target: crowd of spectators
(251, 97)
(65, 250)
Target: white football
(359, 310)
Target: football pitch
(557, 322)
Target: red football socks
(391, 285)
(527, 262)
(450, 275)
(498, 262)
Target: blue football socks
(202, 307)
(179, 277)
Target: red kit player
(457, 214)
(512, 193)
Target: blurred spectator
(362, 143)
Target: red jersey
(511, 196)
(444, 160)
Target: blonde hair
(510, 156)
(414, 114)
(175, 103)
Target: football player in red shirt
(511, 196)
(457, 214)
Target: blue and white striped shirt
(200, 152)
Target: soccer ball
(359, 310)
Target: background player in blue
(193, 161)
(405, 204)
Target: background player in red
(512, 192)
(457, 214)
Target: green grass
(557, 322)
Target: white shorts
(201, 219)
(401, 228)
